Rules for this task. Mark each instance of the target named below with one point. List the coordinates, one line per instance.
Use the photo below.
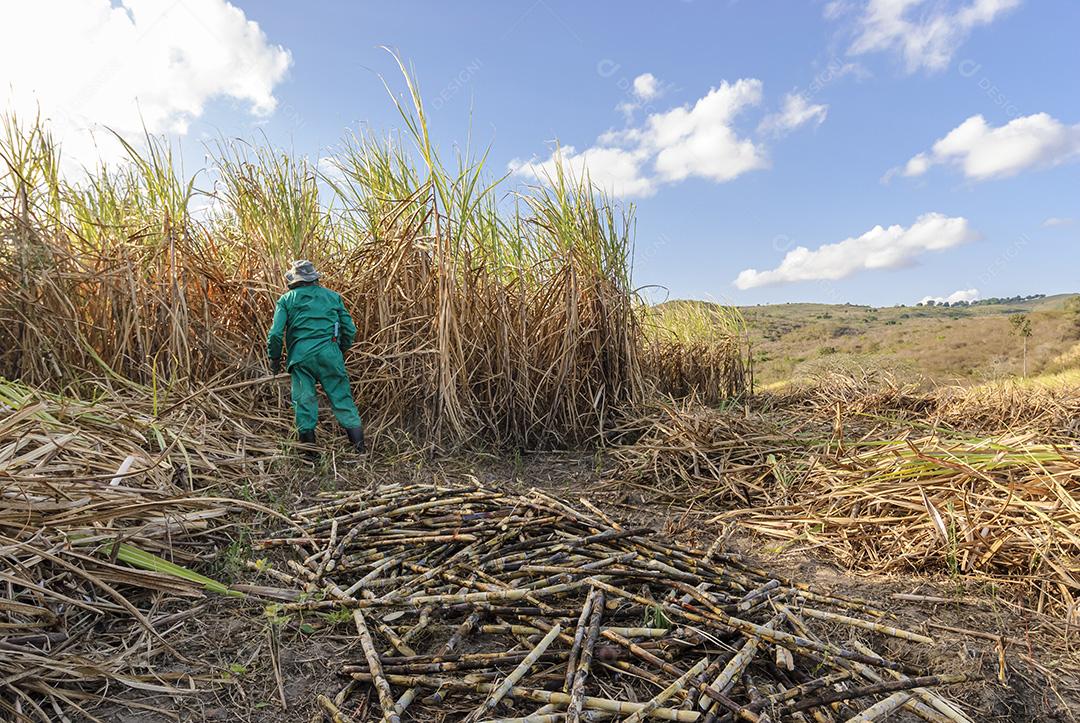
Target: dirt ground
(231, 649)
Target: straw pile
(1004, 508)
(869, 394)
(470, 604)
(1052, 412)
(827, 388)
(691, 455)
(99, 530)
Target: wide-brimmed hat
(302, 270)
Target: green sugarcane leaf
(147, 561)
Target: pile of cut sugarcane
(471, 604)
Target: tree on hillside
(1021, 325)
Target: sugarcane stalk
(891, 686)
(539, 696)
(756, 699)
(517, 674)
(422, 622)
(579, 637)
(752, 629)
(735, 667)
(335, 714)
(581, 673)
(382, 687)
(881, 709)
(924, 704)
(804, 688)
(533, 718)
(712, 670)
(868, 625)
(750, 598)
(666, 693)
(489, 596)
(445, 666)
(672, 670)
(448, 647)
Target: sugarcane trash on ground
(472, 604)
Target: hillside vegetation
(940, 345)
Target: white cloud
(698, 140)
(617, 171)
(917, 165)
(925, 33)
(644, 89)
(983, 152)
(962, 295)
(93, 65)
(701, 140)
(797, 111)
(646, 86)
(1055, 221)
(878, 248)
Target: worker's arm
(347, 329)
(276, 337)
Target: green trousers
(326, 366)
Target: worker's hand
(275, 366)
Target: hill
(943, 345)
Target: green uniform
(313, 325)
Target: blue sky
(761, 141)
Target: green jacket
(305, 319)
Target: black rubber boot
(308, 440)
(356, 439)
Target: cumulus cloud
(646, 86)
(983, 152)
(1055, 221)
(797, 111)
(698, 140)
(954, 297)
(97, 64)
(617, 171)
(644, 89)
(701, 140)
(878, 248)
(924, 33)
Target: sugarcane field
(321, 400)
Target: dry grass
(869, 394)
(1005, 510)
(694, 456)
(99, 531)
(885, 478)
(945, 345)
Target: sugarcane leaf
(141, 559)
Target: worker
(315, 329)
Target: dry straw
(879, 493)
